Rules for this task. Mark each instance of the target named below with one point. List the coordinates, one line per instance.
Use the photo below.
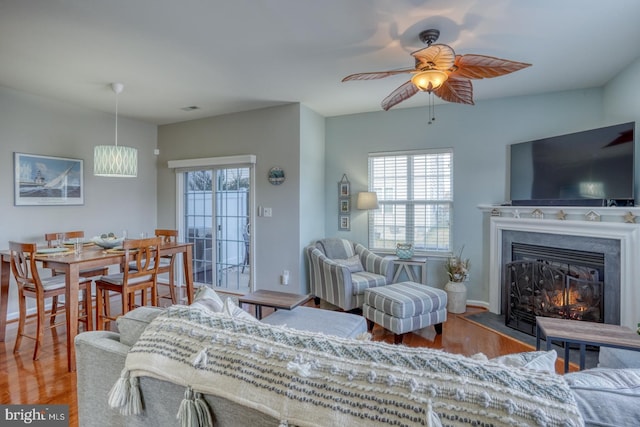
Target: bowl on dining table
(107, 242)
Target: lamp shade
(367, 200)
(115, 160)
(429, 80)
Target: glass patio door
(216, 219)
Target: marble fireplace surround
(628, 235)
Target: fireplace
(619, 241)
(553, 282)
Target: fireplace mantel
(628, 234)
(577, 213)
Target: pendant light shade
(115, 160)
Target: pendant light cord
(117, 119)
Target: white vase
(456, 297)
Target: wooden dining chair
(31, 285)
(167, 264)
(143, 254)
(50, 238)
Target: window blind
(415, 194)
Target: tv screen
(591, 168)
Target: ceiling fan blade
(436, 56)
(482, 66)
(405, 91)
(456, 90)
(376, 74)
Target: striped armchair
(340, 271)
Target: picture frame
(344, 206)
(344, 187)
(344, 222)
(47, 181)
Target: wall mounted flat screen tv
(589, 168)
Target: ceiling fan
(440, 71)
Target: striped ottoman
(405, 307)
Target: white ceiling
(227, 56)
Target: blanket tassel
(194, 411)
(201, 359)
(365, 336)
(125, 395)
(432, 418)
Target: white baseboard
(476, 303)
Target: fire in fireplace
(553, 282)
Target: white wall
(35, 125)
(479, 136)
(273, 135)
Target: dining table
(71, 263)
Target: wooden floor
(47, 381)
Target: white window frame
(390, 200)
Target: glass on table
(59, 240)
(78, 245)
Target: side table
(275, 299)
(584, 333)
(408, 265)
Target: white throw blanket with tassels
(309, 379)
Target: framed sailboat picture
(45, 181)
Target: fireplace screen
(553, 282)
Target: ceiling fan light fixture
(429, 80)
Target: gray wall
(315, 153)
(479, 136)
(35, 125)
(273, 135)
(622, 104)
(312, 201)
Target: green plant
(458, 267)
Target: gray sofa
(603, 396)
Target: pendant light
(115, 160)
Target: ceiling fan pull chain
(432, 109)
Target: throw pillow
(544, 361)
(208, 299)
(352, 263)
(232, 310)
(134, 322)
(607, 397)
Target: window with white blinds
(415, 194)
